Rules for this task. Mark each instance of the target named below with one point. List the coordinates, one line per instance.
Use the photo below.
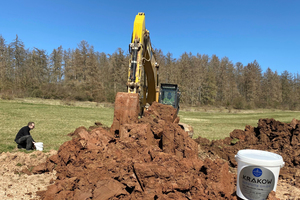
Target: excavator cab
(169, 94)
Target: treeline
(86, 75)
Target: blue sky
(267, 31)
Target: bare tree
(252, 78)
(209, 86)
(56, 65)
(17, 54)
(4, 68)
(271, 89)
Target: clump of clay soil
(270, 135)
(149, 159)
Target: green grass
(218, 124)
(52, 122)
(55, 119)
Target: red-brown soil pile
(270, 135)
(151, 159)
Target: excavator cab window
(169, 95)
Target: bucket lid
(259, 157)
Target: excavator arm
(143, 68)
(142, 83)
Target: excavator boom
(142, 82)
(143, 68)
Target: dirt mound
(151, 159)
(270, 135)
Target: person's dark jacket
(23, 132)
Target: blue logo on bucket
(257, 172)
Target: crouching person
(24, 139)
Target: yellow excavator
(143, 87)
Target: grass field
(55, 119)
(219, 124)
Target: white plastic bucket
(257, 174)
(39, 146)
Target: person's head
(31, 125)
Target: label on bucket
(256, 182)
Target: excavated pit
(153, 158)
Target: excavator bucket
(127, 108)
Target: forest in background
(87, 75)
